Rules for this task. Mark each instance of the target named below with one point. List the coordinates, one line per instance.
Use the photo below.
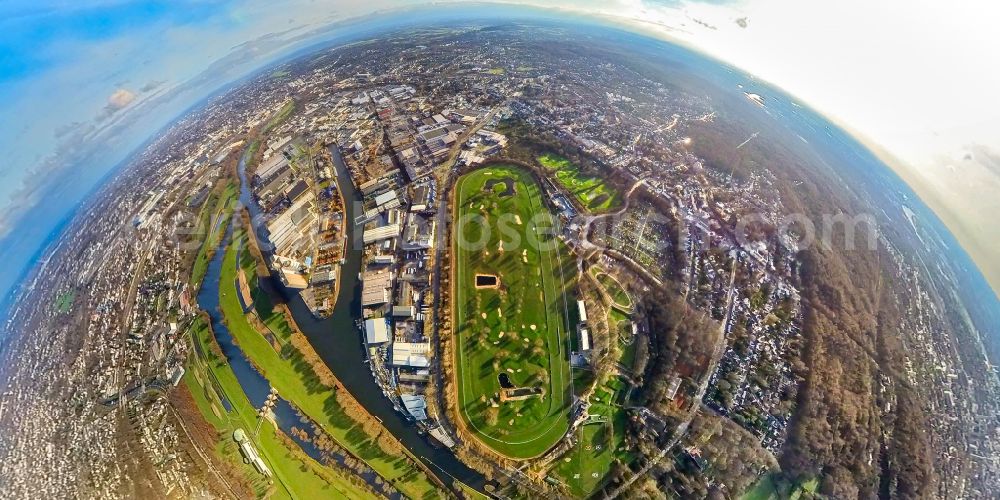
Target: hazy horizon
(127, 84)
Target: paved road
(441, 220)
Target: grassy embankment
(286, 368)
(592, 192)
(216, 211)
(210, 379)
(279, 117)
(518, 329)
(250, 154)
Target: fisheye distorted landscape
(476, 250)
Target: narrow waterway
(253, 383)
(338, 340)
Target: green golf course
(511, 288)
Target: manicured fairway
(517, 328)
(591, 192)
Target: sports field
(601, 440)
(591, 192)
(510, 286)
(64, 302)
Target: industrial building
(376, 288)
(376, 331)
(411, 354)
(381, 233)
(416, 405)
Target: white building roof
(583, 311)
(416, 405)
(376, 331)
(272, 166)
(413, 354)
(385, 197)
(439, 434)
(376, 288)
(381, 233)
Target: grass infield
(518, 328)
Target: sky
(85, 82)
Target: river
(251, 381)
(336, 339)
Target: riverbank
(281, 361)
(337, 342)
(217, 393)
(215, 214)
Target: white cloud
(120, 98)
(913, 80)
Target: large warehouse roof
(410, 354)
(376, 330)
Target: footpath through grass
(210, 379)
(215, 214)
(592, 192)
(287, 370)
(515, 329)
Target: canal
(338, 340)
(254, 385)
